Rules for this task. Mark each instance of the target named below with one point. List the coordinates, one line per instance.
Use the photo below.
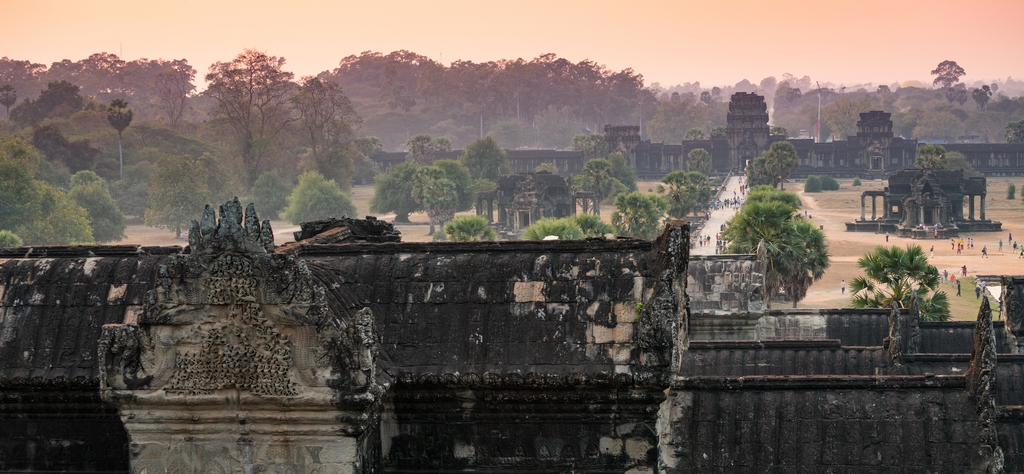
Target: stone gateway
(357, 353)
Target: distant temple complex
(874, 152)
(926, 203)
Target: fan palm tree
(120, 117)
(564, 229)
(468, 229)
(639, 215)
(591, 225)
(892, 275)
(807, 259)
(685, 191)
(597, 178)
(770, 223)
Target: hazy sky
(715, 42)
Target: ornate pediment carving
(234, 315)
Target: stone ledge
(820, 382)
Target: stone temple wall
(512, 357)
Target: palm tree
(698, 160)
(591, 225)
(639, 215)
(770, 223)
(469, 229)
(597, 178)
(8, 96)
(807, 259)
(892, 275)
(684, 192)
(564, 229)
(120, 117)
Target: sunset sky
(671, 42)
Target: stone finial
(981, 385)
(235, 231)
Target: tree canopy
(485, 159)
(796, 252)
(181, 187)
(316, 198)
(685, 192)
(893, 276)
(252, 93)
(931, 156)
(639, 215)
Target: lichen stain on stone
(115, 293)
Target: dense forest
(127, 136)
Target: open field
(830, 209)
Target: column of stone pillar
(970, 212)
(982, 207)
(920, 214)
(874, 208)
(861, 207)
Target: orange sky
(714, 42)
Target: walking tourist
(842, 287)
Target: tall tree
(179, 189)
(685, 192)
(597, 178)
(780, 160)
(981, 96)
(639, 215)
(392, 192)
(60, 99)
(89, 191)
(795, 251)
(252, 93)
(8, 96)
(437, 194)
(173, 87)
(485, 159)
(698, 160)
(327, 115)
(120, 117)
(931, 156)
(593, 145)
(947, 73)
(893, 275)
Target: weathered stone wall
(51, 311)
(726, 294)
(820, 425)
(520, 356)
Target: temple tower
(746, 128)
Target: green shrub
(317, 198)
(270, 194)
(591, 225)
(829, 183)
(1011, 191)
(439, 236)
(856, 181)
(812, 184)
(561, 228)
(9, 239)
(468, 228)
